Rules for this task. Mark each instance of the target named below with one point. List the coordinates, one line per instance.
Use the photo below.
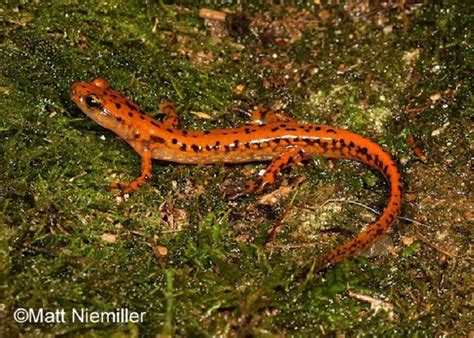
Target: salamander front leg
(172, 119)
(126, 188)
(261, 115)
(285, 160)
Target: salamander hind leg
(283, 161)
(261, 115)
(172, 119)
(126, 188)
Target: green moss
(179, 249)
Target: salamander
(271, 137)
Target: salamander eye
(92, 101)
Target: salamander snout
(75, 90)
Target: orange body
(272, 137)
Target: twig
(426, 241)
(375, 304)
(418, 234)
(210, 14)
(371, 209)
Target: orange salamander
(271, 137)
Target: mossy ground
(179, 249)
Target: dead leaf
(160, 250)
(202, 115)
(275, 196)
(109, 237)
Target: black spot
(247, 145)
(118, 118)
(136, 135)
(118, 105)
(236, 143)
(331, 131)
(247, 130)
(142, 116)
(334, 142)
(317, 128)
(283, 125)
(342, 142)
(275, 129)
(290, 129)
(169, 130)
(277, 140)
(155, 123)
(377, 161)
(157, 139)
(361, 150)
(185, 132)
(131, 106)
(217, 145)
(351, 144)
(208, 147)
(195, 147)
(183, 147)
(369, 157)
(226, 147)
(130, 114)
(174, 141)
(206, 132)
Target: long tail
(370, 153)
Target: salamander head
(102, 104)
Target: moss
(179, 249)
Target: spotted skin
(262, 116)
(172, 119)
(292, 156)
(272, 137)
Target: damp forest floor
(180, 249)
